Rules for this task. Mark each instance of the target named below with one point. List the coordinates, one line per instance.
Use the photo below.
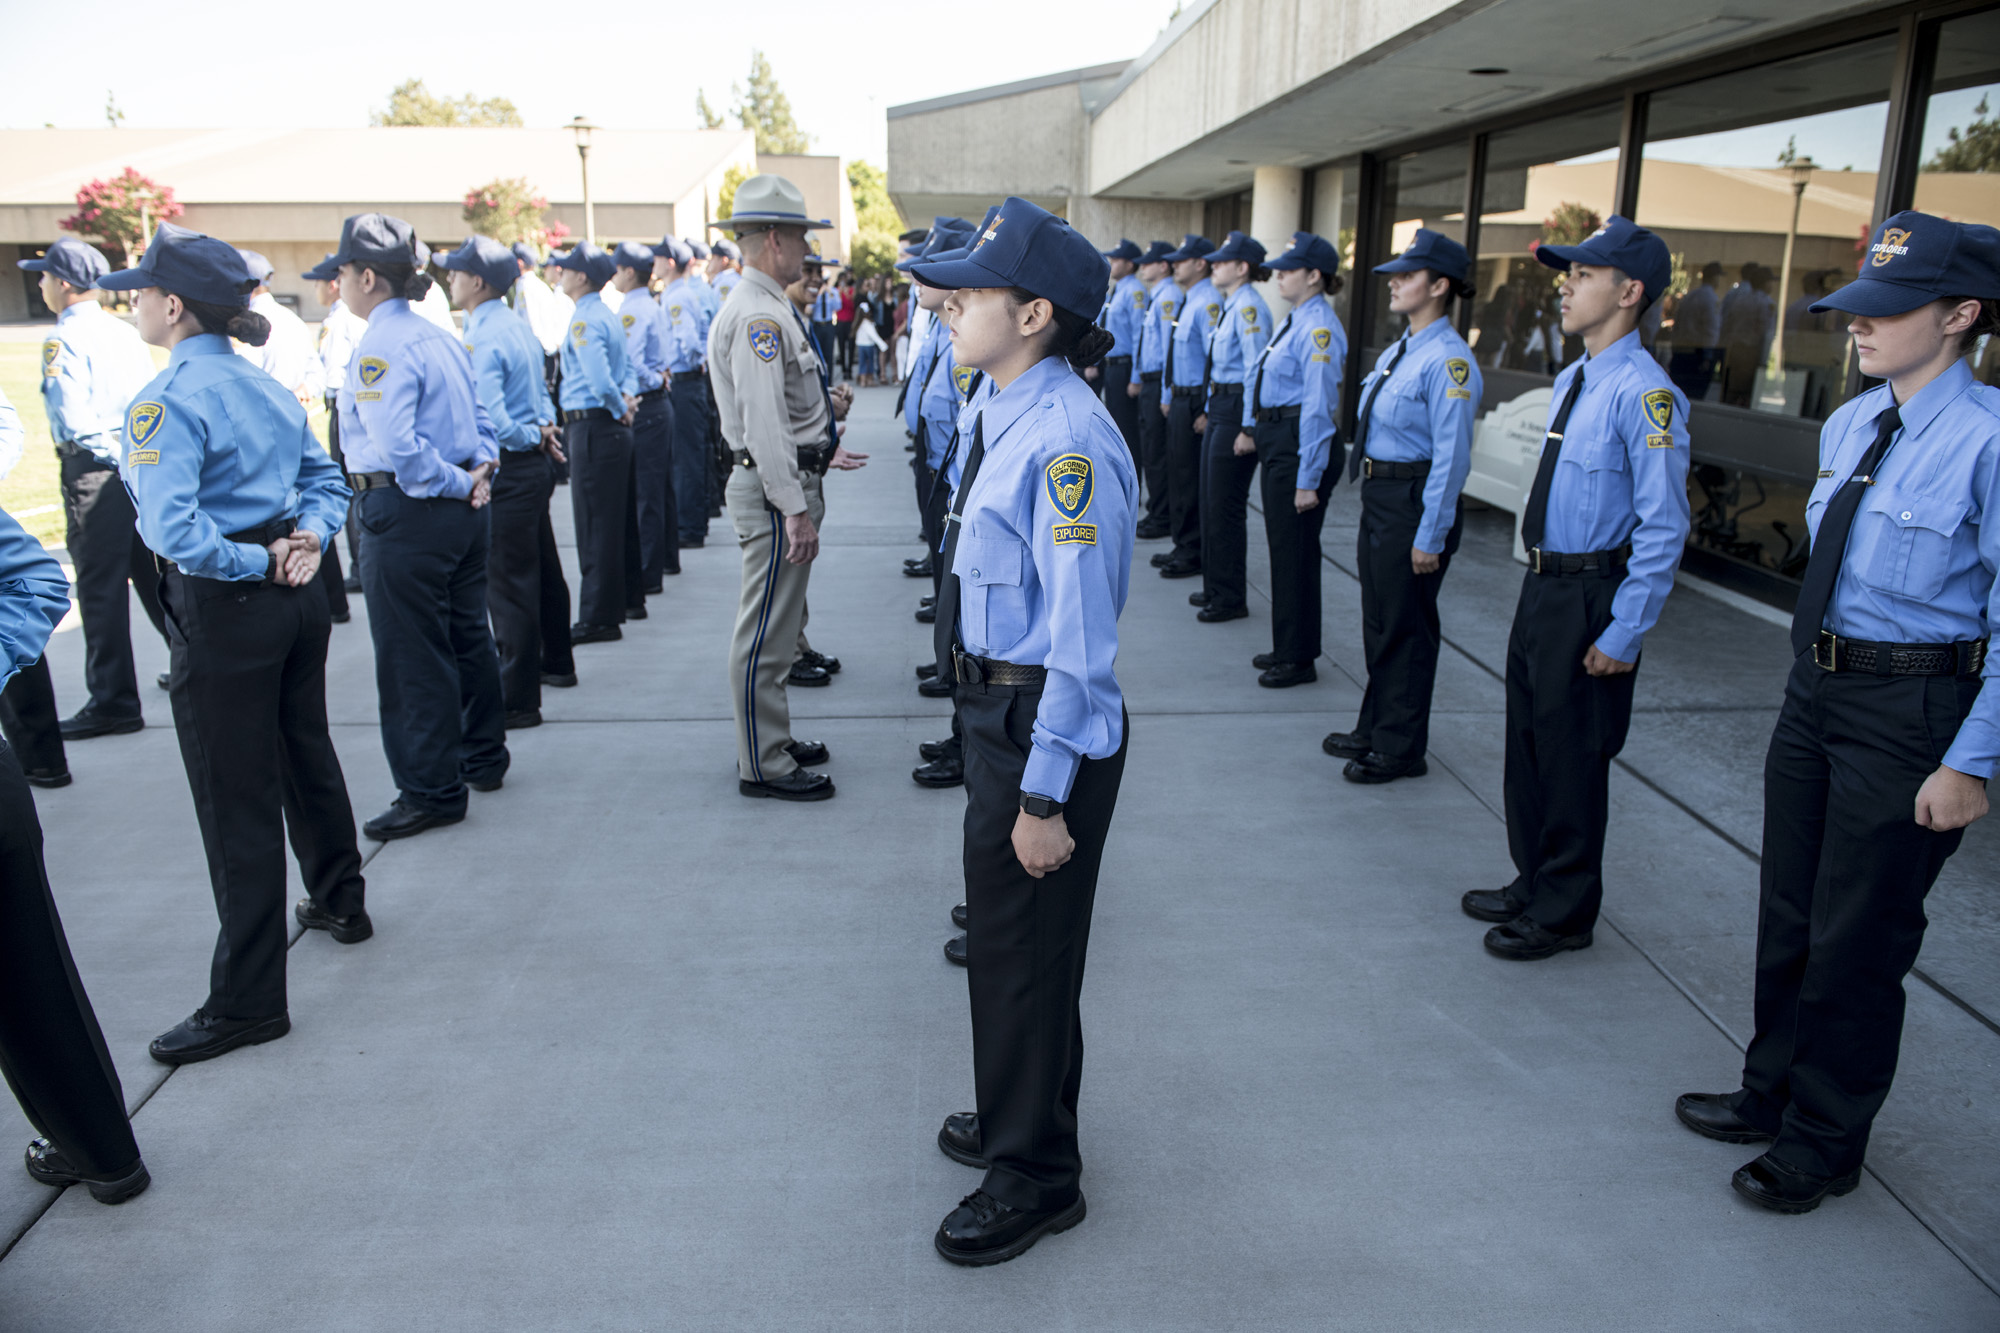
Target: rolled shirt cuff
(1050, 772)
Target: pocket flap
(1935, 513)
(983, 561)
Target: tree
(877, 220)
(1976, 149)
(765, 109)
(410, 103)
(725, 198)
(112, 113)
(710, 118)
(508, 210)
(873, 252)
(123, 211)
(1569, 224)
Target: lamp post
(582, 129)
(145, 198)
(1801, 169)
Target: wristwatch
(1041, 807)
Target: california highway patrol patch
(373, 368)
(1322, 338)
(1069, 491)
(578, 332)
(961, 380)
(764, 338)
(1458, 370)
(628, 320)
(50, 351)
(1659, 405)
(140, 423)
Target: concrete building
(1765, 132)
(284, 192)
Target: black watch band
(1041, 807)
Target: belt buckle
(1826, 651)
(1535, 559)
(966, 668)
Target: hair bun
(249, 327)
(1090, 347)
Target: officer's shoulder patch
(373, 368)
(1250, 315)
(765, 339)
(50, 351)
(1070, 486)
(579, 333)
(628, 320)
(1167, 309)
(468, 347)
(142, 421)
(961, 379)
(1660, 440)
(1074, 534)
(1459, 371)
(1659, 406)
(1139, 299)
(674, 311)
(1322, 338)
(1458, 393)
(1214, 312)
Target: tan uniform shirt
(765, 377)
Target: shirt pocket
(1901, 542)
(992, 608)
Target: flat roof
(1087, 75)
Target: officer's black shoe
(203, 1036)
(926, 601)
(88, 722)
(405, 821)
(937, 687)
(1769, 1183)
(47, 1164)
(1160, 558)
(1376, 767)
(522, 718)
(352, 583)
(944, 771)
(1345, 744)
(933, 749)
(1713, 1116)
(344, 929)
(1215, 615)
(954, 950)
(581, 633)
(804, 674)
(1180, 569)
(916, 569)
(927, 615)
(925, 670)
(810, 753)
(165, 680)
(636, 612)
(1150, 531)
(1264, 661)
(799, 785)
(48, 777)
(1525, 940)
(493, 781)
(341, 617)
(657, 586)
(958, 1139)
(559, 680)
(812, 657)
(982, 1230)
(669, 571)
(958, 916)
(1495, 905)
(1198, 598)
(694, 543)
(1284, 675)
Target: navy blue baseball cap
(1193, 247)
(71, 260)
(1156, 253)
(1125, 250)
(190, 265)
(1621, 244)
(674, 248)
(630, 254)
(521, 252)
(1027, 246)
(486, 259)
(1238, 246)
(1913, 259)
(260, 268)
(1307, 250)
(590, 261)
(940, 240)
(326, 270)
(696, 248)
(380, 239)
(728, 249)
(1435, 251)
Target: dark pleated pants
(1400, 635)
(517, 585)
(600, 492)
(1123, 407)
(29, 722)
(653, 437)
(106, 553)
(1225, 502)
(1152, 428)
(1293, 541)
(1183, 454)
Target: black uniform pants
(1841, 913)
(248, 686)
(330, 575)
(106, 553)
(693, 463)
(29, 722)
(51, 1049)
(1399, 618)
(1293, 540)
(438, 677)
(1564, 727)
(1152, 448)
(600, 492)
(654, 431)
(722, 459)
(1225, 502)
(1123, 407)
(525, 593)
(1026, 951)
(339, 457)
(1183, 454)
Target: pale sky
(313, 67)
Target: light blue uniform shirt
(1124, 312)
(686, 321)
(1301, 367)
(12, 437)
(410, 406)
(34, 595)
(1425, 414)
(1156, 332)
(1239, 336)
(596, 369)
(704, 295)
(214, 446)
(645, 328)
(507, 369)
(725, 283)
(1621, 477)
(921, 359)
(1187, 353)
(1921, 556)
(1044, 559)
(826, 305)
(93, 365)
(947, 387)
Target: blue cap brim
(1872, 297)
(33, 265)
(957, 274)
(1565, 255)
(126, 280)
(1401, 265)
(325, 271)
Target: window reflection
(1425, 189)
(1960, 173)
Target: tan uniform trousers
(770, 626)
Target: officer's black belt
(1271, 416)
(71, 449)
(1195, 392)
(652, 395)
(520, 453)
(368, 481)
(1150, 376)
(570, 417)
(1831, 652)
(972, 670)
(264, 533)
(1219, 387)
(1117, 360)
(1600, 563)
(1378, 469)
(812, 459)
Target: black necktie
(1368, 409)
(1535, 517)
(1257, 385)
(944, 631)
(1830, 543)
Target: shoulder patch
(1070, 486)
(1459, 393)
(1322, 338)
(1459, 371)
(765, 340)
(140, 424)
(1214, 312)
(1250, 315)
(468, 347)
(1139, 299)
(674, 311)
(961, 379)
(1659, 405)
(579, 333)
(1664, 440)
(50, 351)
(373, 368)
(628, 320)
(1167, 309)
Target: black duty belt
(972, 670)
(1271, 416)
(651, 395)
(813, 459)
(1150, 376)
(1196, 392)
(1831, 652)
(1219, 387)
(368, 481)
(1117, 360)
(520, 453)
(264, 533)
(1601, 563)
(1377, 469)
(570, 417)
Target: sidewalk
(631, 1051)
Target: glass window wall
(1422, 189)
(1959, 172)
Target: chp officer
(1886, 739)
(1604, 522)
(1040, 556)
(239, 500)
(1289, 420)
(1124, 311)
(1233, 349)
(1156, 330)
(1183, 389)
(1412, 452)
(92, 365)
(597, 399)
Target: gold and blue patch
(50, 351)
(1660, 440)
(1070, 486)
(1075, 534)
(579, 333)
(1659, 406)
(373, 368)
(961, 380)
(628, 320)
(140, 424)
(765, 339)
(1459, 371)
(1322, 338)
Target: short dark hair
(231, 321)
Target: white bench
(1506, 445)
